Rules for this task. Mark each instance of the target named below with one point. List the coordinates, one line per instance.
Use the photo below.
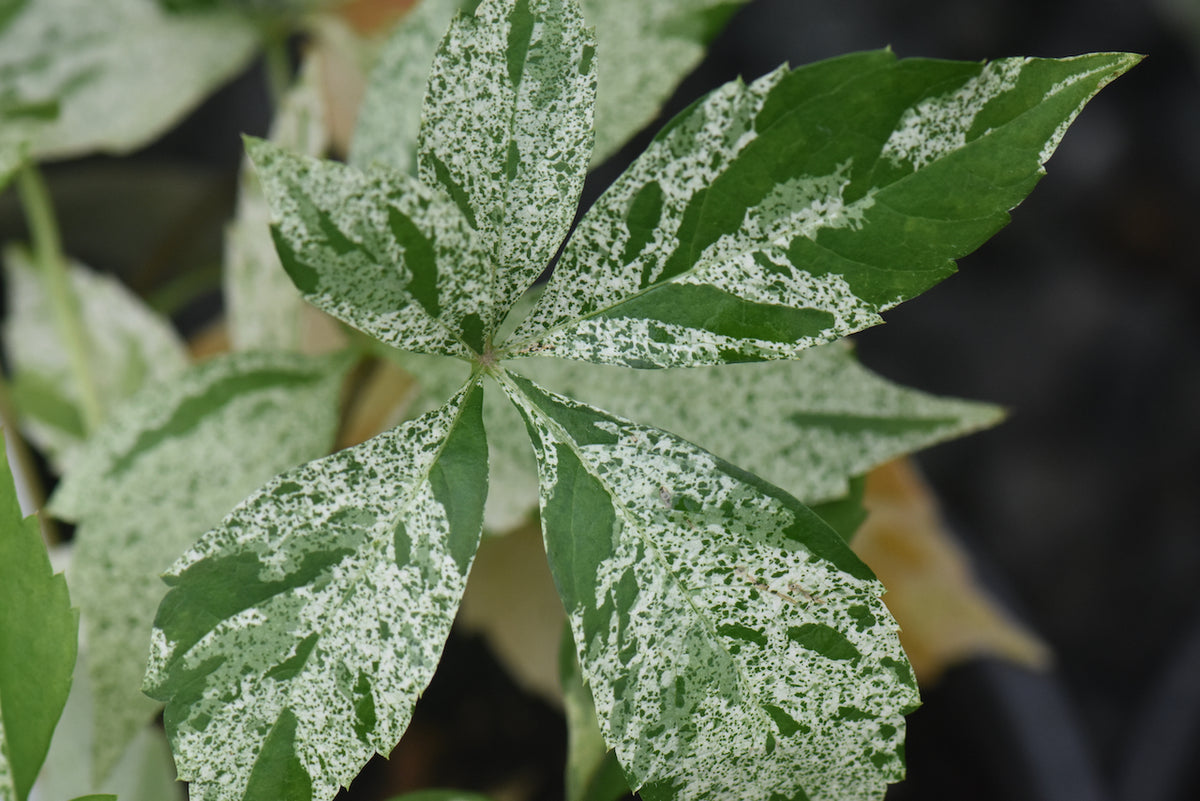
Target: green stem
(278, 64)
(47, 253)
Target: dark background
(1082, 509)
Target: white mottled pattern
(519, 153)
(681, 696)
(368, 287)
(375, 612)
(939, 125)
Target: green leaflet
(389, 118)
(378, 251)
(111, 76)
(182, 454)
(734, 646)
(264, 310)
(807, 425)
(129, 343)
(38, 635)
(644, 49)
(771, 217)
(506, 132)
(297, 635)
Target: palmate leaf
(182, 453)
(506, 131)
(734, 646)
(771, 217)
(297, 635)
(38, 636)
(111, 76)
(128, 345)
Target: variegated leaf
(181, 453)
(112, 76)
(378, 251)
(389, 118)
(645, 49)
(297, 635)
(734, 645)
(506, 131)
(771, 217)
(807, 425)
(263, 307)
(38, 635)
(129, 345)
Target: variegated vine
(733, 645)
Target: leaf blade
(183, 453)
(771, 217)
(330, 677)
(374, 250)
(715, 617)
(90, 94)
(507, 132)
(38, 637)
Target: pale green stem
(278, 65)
(47, 253)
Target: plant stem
(278, 64)
(47, 253)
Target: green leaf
(506, 132)
(264, 309)
(169, 464)
(38, 635)
(845, 515)
(129, 344)
(389, 118)
(111, 76)
(378, 251)
(733, 644)
(296, 636)
(97, 797)
(645, 49)
(772, 217)
(808, 425)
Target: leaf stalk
(68, 318)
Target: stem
(278, 64)
(47, 253)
